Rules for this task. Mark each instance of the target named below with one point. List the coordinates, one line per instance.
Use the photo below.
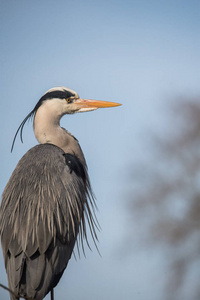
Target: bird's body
(47, 201)
(43, 223)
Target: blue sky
(142, 54)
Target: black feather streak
(75, 165)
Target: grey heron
(48, 200)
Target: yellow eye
(68, 100)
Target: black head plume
(58, 92)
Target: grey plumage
(48, 200)
(39, 225)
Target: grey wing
(42, 209)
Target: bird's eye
(68, 100)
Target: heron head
(61, 101)
(69, 102)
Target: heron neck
(47, 130)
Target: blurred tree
(166, 199)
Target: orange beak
(94, 104)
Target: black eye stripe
(57, 94)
